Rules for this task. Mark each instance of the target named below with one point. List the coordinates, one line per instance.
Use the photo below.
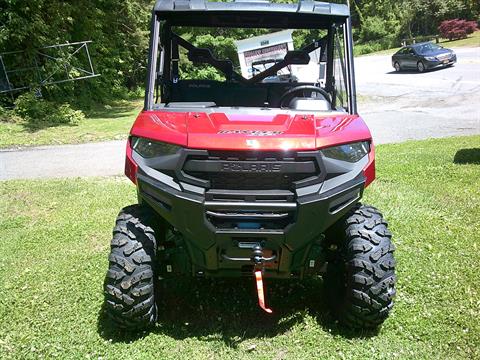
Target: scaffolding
(55, 64)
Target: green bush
(9, 116)
(373, 28)
(37, 112)
(370, 47)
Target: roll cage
(204, 56)
(163, 64)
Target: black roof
(251, 13)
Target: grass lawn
(103, 123)
(55, 238)
(472, 40)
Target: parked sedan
(423, 56)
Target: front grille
(252, 170)
(250, 181)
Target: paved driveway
(411, 105)
(396, 107)
(92, 159)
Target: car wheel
(420, 67)
(397, 67)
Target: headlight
(148, 148)
(430, 58)
(348, 152)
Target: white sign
(272, 46)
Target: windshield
(251, 67)
(427, 48)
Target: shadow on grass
(467, 156)
(32, 127)
(227, 310)
(115, 110)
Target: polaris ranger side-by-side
(244, 177)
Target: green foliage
(119, 30)
(302, 37)
(377, 33)
(38, 113)
(368, 48)
(373, 28)
(9, 116)
(425, 15)
(223, 47)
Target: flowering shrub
(456, 28)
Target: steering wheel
(290, 94)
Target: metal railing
(48, 65)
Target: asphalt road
(411, 105)
(91, 159)
(396, 106)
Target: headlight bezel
(350, 152)
(148, 148)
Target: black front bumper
(289, 225)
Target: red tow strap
(260, 293)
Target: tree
(456, 28)
(118, 28)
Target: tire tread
(368, 269)
(130, 281)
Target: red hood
(243, 131)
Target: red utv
(244, 177)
